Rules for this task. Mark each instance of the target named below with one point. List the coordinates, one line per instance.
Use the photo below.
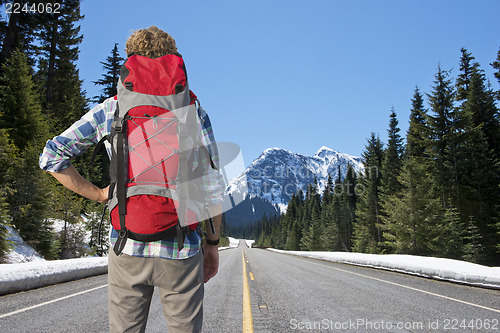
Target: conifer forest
(432, 191)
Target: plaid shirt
(91, 128)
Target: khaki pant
(131, 281)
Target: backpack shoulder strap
(98, 148)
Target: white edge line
(49, 302)
(304, 258)
(407, 287)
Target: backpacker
(155, 137)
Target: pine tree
(111, 75)
(440, 146)
(312, 238)
(484, 112)
(366, 233)
(412, 215)
(496, 64)
(452, 234)
(411, 224)
(478, 168)
(63, 98)
(293, 237)
(350, 199)
(328, 192)
(8, 157)
(392, 163)
(59, 37)
(30, 206)
(21, 112)
(418, 132)
(22, 118)
(463, 80)
(18, 33)
(391, 168)
(330, 237)
(312, 206)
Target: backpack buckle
(118, 125)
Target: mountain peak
(278, 173)
(323, 151)
(273, 149)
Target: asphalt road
(284, 294)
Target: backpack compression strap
(119, 128)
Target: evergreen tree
(111, 75)
(367, 235)
(8, 157)
(59, 37)
(450, 243)
(63, 99)
(293, 237)
(392, 163)
(441, 125)
(496, 64)
(21, 112)
(21, 116)
(328, 192)
(418, 132)
(483, 110)
(478, 168)
(412, 214)
(411, 224)
(30, 206)
(463, 80)
(311, 208)
(18, 33)
(312, 238)
(350, 199)
(391, 167)
(473, 250)
(330, 237)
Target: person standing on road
(179, 274)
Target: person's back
(173, 262)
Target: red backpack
(155, 137)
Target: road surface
(262, 291)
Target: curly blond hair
(151, 42)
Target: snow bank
(233, 242)
(40, 273)
(429, 267)
(21, 252)
(29, 275)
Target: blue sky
(301, 74)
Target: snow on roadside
(430, 267)
(233, 242)
(21, 251)
(29, 275)
(23, 276)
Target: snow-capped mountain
(278, 173)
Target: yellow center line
(251, 276)
(247, 308)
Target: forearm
(71, 179)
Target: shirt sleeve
(214, 182)
(88, 130)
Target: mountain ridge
(279, 173)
